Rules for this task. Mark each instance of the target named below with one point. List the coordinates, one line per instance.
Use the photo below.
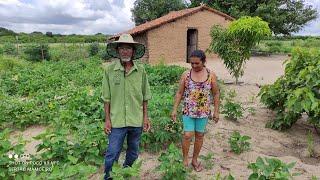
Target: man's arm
(146, 121)
(146, 96)
(107, 110)
(106, 98)
(107, 119)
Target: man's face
(125, 51)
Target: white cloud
(313, 27)
(66, 16)
(83, 16)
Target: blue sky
(84, 16)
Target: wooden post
(42, 53)
(17, 45)
(83, 51)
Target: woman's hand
(174, 116)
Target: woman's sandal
(197, 167)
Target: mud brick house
(174, 36)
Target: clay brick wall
(142, 38)
(169, 41)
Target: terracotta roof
(169, 18)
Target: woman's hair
(200, 54)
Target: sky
(84, 16)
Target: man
(125, 92)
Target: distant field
(286, 46)
(272, 45)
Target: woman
(197, 87)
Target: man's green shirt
(126, 93)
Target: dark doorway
(192, 41)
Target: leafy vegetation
(7, 157)
(208, 160)
(147, 10)
(94, 49)
(270, 169)
(285, 46)
(239, 143)
(65, 96)
(8, 36)
(36, 52)
(120, 173)
(228, 177)
(231, 109)
(9, 49)
(310, 142)
(171, 165)
(296, 92)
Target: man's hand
(174, 116)
(146, 125)
(107, 127)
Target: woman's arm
(216, 96)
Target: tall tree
(147, 10)
(284, 16)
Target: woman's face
(196, 63)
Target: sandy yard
(289, 146)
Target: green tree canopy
(234, 44)
(147, 10)
(6, 32)
(284, 16)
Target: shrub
(94, 49)
(9, 49)
(296, 92)
(164, 75)
(37, 52)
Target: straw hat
(139, 48)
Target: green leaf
(74, 160)
(254, 176)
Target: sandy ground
(262, 70)
(289, 146)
